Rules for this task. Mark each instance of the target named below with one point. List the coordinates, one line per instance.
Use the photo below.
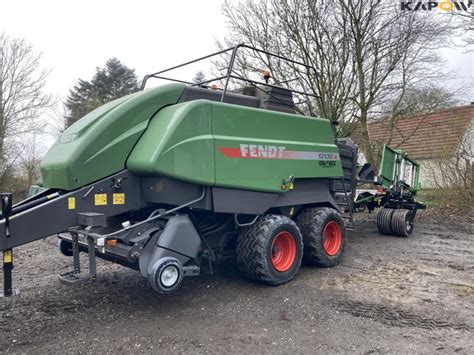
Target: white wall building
(442, 142)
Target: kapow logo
(445, 6)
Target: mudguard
(178, 239)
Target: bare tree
(366, 52)
(30, 160)
(302, 30)
(463, 20)
(22, 96)
(412, 101)
(392, 51)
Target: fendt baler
(165, 178)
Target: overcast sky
(77, 36)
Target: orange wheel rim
(283, 251)
(332, 238)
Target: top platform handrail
(229, 69)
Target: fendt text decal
(257, 151)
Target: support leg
(92, 261)
(75, 253)
(8, 290)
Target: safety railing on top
(231, 74)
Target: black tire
(400, 223)
(313, 223)
(255, 249)
(362, 207)
(163, 265)
(65, 247)
(384, 220)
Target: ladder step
(74, 278)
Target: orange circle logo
(446, 6)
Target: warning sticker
(7, 256)
(100, 199)
(118, 199)
(71, 203)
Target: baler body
(152, 133)
(225, 145)
(98, 144)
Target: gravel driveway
(389, 295)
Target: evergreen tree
(199, 77)
(107, 84)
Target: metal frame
(153, 216)
(231, 75)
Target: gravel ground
(389, 295)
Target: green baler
(165, 178)
(154, 133)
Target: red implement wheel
(283, 251)
(324, 236)
(332, 238)
(270, 250)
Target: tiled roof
(423, 136)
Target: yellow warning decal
(291, 187)
(7, 256)
(118, 199)
(100, 199)
(71, 203)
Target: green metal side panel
(233, 146)
(388, 166)
(259, 149)
(177, 143)
(391, 166)
(99, 143)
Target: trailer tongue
(170, 177)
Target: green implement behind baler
(165, 178)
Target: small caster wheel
(65, 247)
(166, 275)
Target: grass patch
(446, 198)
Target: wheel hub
(169, 276)
(332, 238)
(283, 251)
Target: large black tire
(384, 220)
(259, 251)
(315, 224)
(400, 223)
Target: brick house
(435, 140)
